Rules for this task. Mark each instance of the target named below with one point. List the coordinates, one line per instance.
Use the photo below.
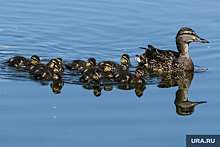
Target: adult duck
(168, 60)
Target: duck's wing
(160, 55)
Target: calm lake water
(159, 113)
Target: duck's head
(97, 77)
(185, 36)
(91, 62)
(125, 60)
(35, 59)
(139, 73)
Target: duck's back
(166, 60)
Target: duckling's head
(108, 67)
(56, 68)
(35, 59)
(97, 76)
(139, 73)
(60, 60)
(125, 60)
(185, 36)
(91, 62)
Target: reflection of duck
(57, 86)
(127, 77)
(125, 60)
(22, 62)
(80, 64)
(168, 60)
(183, 81)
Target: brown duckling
(125, 60)
(81, 65)
(127, 77)
(106, 72)
(22, 62)
(58, 61)
(168, 60)
(44, 72)
(91, 77)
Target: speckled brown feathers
(168, 60)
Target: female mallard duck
(22, 62)
(168, 60)
(127, 77)
(80, 64)
(91, 77)
(107, 72)
(44, 72)
(125, 60)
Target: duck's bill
(198, 39)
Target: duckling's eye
(124, 57)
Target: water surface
(33, 115)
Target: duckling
(43, 72)
(58, 61)
(125, 60)
(80, 64)
(168, 60)
(127, 77)
(22, 62)
(91, 77)
(107, 72)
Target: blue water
(33, 115)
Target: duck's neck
(183, 49)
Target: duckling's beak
(198, 39)
(143, 78)
(100, 81)
(129, 64)
(60, 75)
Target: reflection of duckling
(97, 90)
(80, 64)
(139, 89)
(91, 77)
(168, 60)
(127, 77)
(22, 62)
(57, 86)
(125, 60)
(43, 72)
(108, 88)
